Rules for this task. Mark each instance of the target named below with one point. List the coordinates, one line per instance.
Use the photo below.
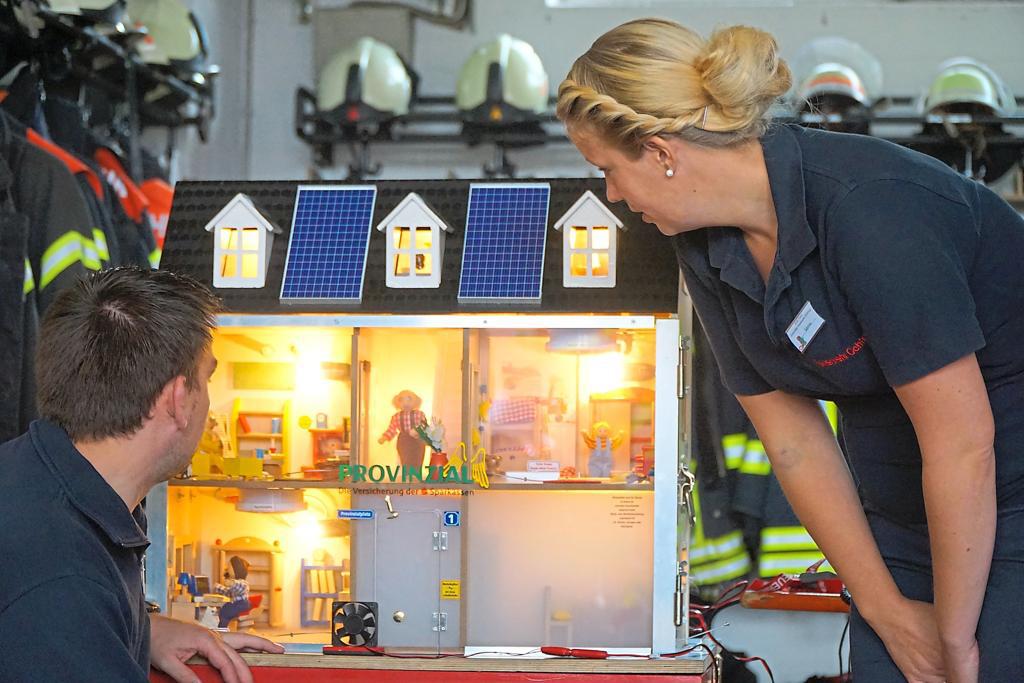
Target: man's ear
(173, 402)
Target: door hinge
(440, 540)
(440, 621)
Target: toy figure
(210, 443)
(235, 587)
(403, 424)
(601, 444)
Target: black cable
(842, 639)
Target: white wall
(265, 52)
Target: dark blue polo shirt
(72, 602)
(910, 265)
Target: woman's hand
(962, 663)
(910, 634)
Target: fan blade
(361, 609)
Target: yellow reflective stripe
(100, 242)
(786, 538)
(832, 413)
(30, 280)
(771, 564)
(755, 460)
(65, 251)
(90, 256)
(697, 535)
(723, 570)
(154, 258)
(716, 548)
(734, 445)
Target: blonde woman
(850, 270)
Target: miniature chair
(247, 619)
(556, 618)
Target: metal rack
(435, 120)
(132, 78)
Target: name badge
(804, 326)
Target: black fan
(354, 623)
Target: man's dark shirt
(71, 590)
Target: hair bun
(741, 71)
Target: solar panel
(328, 243)
(503, 255)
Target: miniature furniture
(321, 585)
(247, 619)
(263, 577)
(266, 430)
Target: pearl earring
(669, 172)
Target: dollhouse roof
(647, 279)
(412, 203)
(589, 201)
(242, 208)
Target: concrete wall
(265, 52)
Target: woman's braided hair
(655, 77)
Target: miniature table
(359, 669)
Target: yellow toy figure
(210, 442)
(601, 444)
(403, 423)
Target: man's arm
(952, 418)
(812, 471)
(66, 629)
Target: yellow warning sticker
(451, 590)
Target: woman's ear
(662, 150)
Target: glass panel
(400, 236)
(250, 239)
(423, 263)
(424, 238)
(578, 239)
(578, 265)
(601, 235)
(250, 266)
(228, 264)
(567, 406)
(599, 264)
(402, 263)
(228, 238)
(283, 393)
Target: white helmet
(835, 70)
(502, 81)
(368, 79)
(963, 84)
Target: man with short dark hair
(123, 364)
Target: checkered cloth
(404, 421)
(514, 410)
(237, 590)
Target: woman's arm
(812, 471)
(953, 422)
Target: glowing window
(240, 250)
(589, 251)
(407, 253)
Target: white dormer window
(589, 243)
(243, 239)
(415, 244)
